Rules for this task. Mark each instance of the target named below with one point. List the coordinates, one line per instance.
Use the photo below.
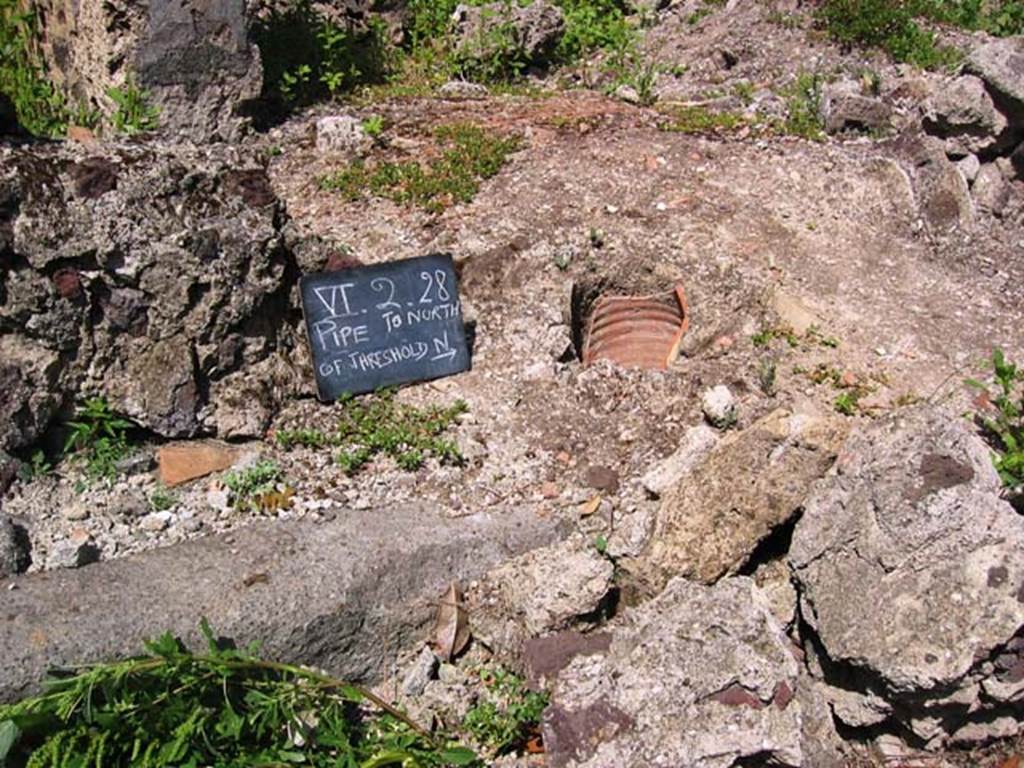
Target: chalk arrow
(443, 349)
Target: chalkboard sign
(374, 326)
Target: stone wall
(194, 57)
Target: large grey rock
(9, 467)
(991, 191)
(29, 397)
(194, 58)
(346, 596)
(15, 551)
(747, 485)
(911, 572)
(550, 587)
(1000, 63)
(149, 273)
(699, 677)
(342, 134)
(940, 190)
(694, 445)
(199, 65)
(962, 112)
(845, 108)
(534, 30)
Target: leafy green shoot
(224, 707)
(1001, 413)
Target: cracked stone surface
(699, 677)
(911, 573)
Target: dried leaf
(452, 630)
(1013, 761)
(588, 508)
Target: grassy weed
(133, 113)
(699, 120)
(223, 707)
(98, 438)
(891, 26)
(803, 108)
(469, 155)
(377, 424)
(41, 107)
(1001, 413)
(253, 487)
(507, 715)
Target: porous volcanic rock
(194, 61)
(699, 677)
(750, 483)
(149, 274)
(911, 573)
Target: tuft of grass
(1001, 414)
(803, 108)
(766, 335)
(41, 107)
(37, 466)
(98, 438)
(766, 376)
(891, 26)
(847, 403)
(252, 487)
(223, 707)
(508, 714)
(133, 113)
(380, 425)
(702, 121)
(707, 8)
(469, 155)
(377, 424)
(373, 126)
(161, 499)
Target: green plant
(815, 336)
(767, 334)
(890, 26)
(37, 466)
(702, 121)
(373, 126)
(508, 713)
(380, 425)
(846, 403)
(40, 105)
(766, 376)
(601, 545)
(591, 25)
(133, 114)
(703, 11)
(628, 66)
(161, 499)
(744, 91)
(225, 707)
(98, 437)
(1001, 413)
(306, 56)
(249, 485)
(304, 436)
(494, 53)
(803, 107)
(469, 156)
